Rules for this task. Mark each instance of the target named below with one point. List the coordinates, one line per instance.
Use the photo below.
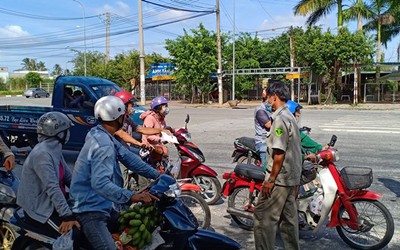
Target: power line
(177, 9)
(27, 15)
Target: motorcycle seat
(248, 142)
(250, 171)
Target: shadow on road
(392, 185)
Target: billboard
(161, 71)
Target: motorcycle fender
(330, 189)
(236, 155)
(203, 170)
(190, 187)
(356, 195)
(205, 239)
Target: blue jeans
(261, 149)
(97, 227)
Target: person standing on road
(262, 123)
(7, 156)
(276, 206)
(96, 187)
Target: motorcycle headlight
(173, 191)
(187, 137)
(335, 154)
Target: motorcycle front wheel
(376, 226)
(210, 188)
(198, 207)
(240, 199)
(8, 236)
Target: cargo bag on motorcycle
(308, 172)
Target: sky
(53, 31)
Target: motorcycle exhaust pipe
(237, 212)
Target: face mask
(268, 107)
(67, 137)
(64, 137)
(165, 111)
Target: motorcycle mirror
(187, 120)
(333, 141)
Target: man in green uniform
(277, 202)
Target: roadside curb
(10, 96)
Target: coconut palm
(385, 15)
(357, 11)
(319, 8)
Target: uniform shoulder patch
(278, 132)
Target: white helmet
(52, 123)
(109, 108)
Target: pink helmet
(159, 100)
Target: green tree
(95, 62)
(316, 9)
(57, 70)
(195, 59)
(28, 64)
(33, 79)
(327, 54)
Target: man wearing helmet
(45, 176)
(308, 145)
(7, 156)
(96, 186)
(155, 118)
(262, 123)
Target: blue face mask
(268, 107)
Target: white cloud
(11, 31)
(121, 9)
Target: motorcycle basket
(357, 177)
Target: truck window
(76, 98)
(105, 90)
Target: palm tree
(40, 66)
(357, 11)
(57, 70)
(318, 9)
(29, 64)
(384, 18)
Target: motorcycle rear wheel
(210, 186)
(244, 160)
(8, 236)
(376, 225)
(198, 206)
(239, 199)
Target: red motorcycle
(191, 165)
(360, 219)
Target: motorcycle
(8, 195)
(192, 166)
(178, 229)
(360, 219)
(245, 149)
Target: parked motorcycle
(245, 149)
(192, 166)
(179, 227)
(8, 195)
(360, 219)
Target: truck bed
(21, 117)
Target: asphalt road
(365, 138)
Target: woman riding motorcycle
(45, 176)
(155, 118)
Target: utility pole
(292, 64)
(141, 56)
(107, 36)
(220, 93)
(233, 50)
(355, 90)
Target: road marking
(361, 131)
